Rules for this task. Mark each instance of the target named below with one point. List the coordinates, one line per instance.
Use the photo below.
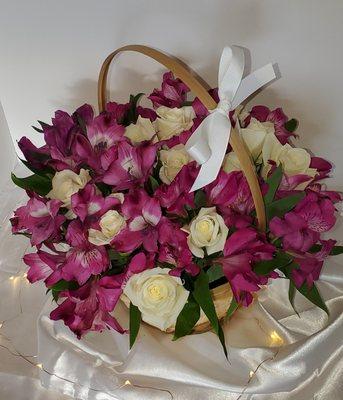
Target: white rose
(207, 230)
(111, 223)
(66, 183)
(142, 130)
(158, 296)
(231, 163)
(173, 121)
(254, 135)
(172, 161)
(293, 160)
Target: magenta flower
(243, 248)
(88, 203)
(322, 166)
(143, 215)
(45, 266)
(83, 258)
(172, 94)
(176, 196)
(310, 264)
(301, 228)
(174, 249)
(82, 311)
(39, 218)
(37, 157)
(129, 165)
(277, 116)
(200, 110)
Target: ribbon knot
(209, 142)
(224, 106)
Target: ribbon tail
(253, 82)
(218, 128)
(197, 145)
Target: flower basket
(183, 210)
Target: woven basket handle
(194, 84)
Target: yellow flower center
(155, 292)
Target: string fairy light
(127, 383)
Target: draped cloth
(274, 354)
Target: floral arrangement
(111, 215)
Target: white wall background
(51, 51)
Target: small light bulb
(25, 275)
(40, 366)
(127, 383)
(1, 325)
(251, 374)
(275, 338)
(12, 278)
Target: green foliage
(214, 273)
(131, 115)
(60, 286)
(279, 208)
(38, 184)
(203, 297)
(291, 125)
(200, 199)
(280, 260)
(336, 250)
(187, 318)
(232, 308)
(153, 184)
(273, 183)
(135, 322)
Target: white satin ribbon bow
(209, 142)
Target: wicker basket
(222, 294)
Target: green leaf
(273, 183)
(135, 321)
(60, 286)
(203, 297)
(291, 295)
(280, 207)
(153, 183)
(291, 125)
(104, 188)
(215, 272)
(187, 318)
(232, 308)
(336, 250)
(36, 183)
(131, 115)
(312, 294)
(200, 199)
(280, 260)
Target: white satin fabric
(273, 353)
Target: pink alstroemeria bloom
(301, 228)
(37, 157)
(83, 258)
(172, 94)
(322, 166)
(242, 248)
(176, 196)
(278, 117)
(89, 203)
(232, 195)
(310, 264)
(40, 218)
(45, 266)
(143, 215)
(83, 312)
(174, 249)
(129, 165)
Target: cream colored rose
(293, 160)
(172, 161)
(254, 135)
(158, 296)
(111, 223)
(231, 163)
(66, 183)
(207, 230)
(173, 121)
(142, 130)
